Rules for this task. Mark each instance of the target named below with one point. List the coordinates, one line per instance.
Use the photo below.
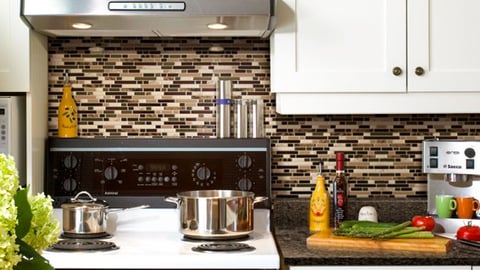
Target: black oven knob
(245, 161)
(203, 173)
(70, 162)
(110, 173)
(245, 184)
(70, 184)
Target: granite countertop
(290, 221)
(294, 251)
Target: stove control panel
(156, 167)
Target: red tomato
(469, 232)
(427, 221)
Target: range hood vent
(187, 18)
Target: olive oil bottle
(67, 113)
(319, 218)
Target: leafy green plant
(27, 223)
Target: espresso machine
(452, 168)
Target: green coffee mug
(445, 204)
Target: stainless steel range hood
(150, 18)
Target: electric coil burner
(223, 247)
(201, 240)
(84, 245)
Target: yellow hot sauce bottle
(67, 113)
(319, 218)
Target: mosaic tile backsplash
(165, 87)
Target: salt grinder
(256, 118)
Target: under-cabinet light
(81, 25)
(217, 26)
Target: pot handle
(128, 209)
(77, 199)
(259, 199)
(173, 200)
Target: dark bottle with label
(339, 192)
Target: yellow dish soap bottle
(319, 218)
(67, 113)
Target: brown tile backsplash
(164, 87)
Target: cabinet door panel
(13, 48)
(339, 46)
(444, 39)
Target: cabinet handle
(397, 71)
(419, 71)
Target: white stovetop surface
(149, 239)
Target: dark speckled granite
(291, 230)
(289, 213)
(294, 251)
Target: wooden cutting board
(329, 240)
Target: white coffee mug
(368, 213)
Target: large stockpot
(216, 214)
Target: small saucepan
(87, 216)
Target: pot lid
(85, 199)
(86, 205)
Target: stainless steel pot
(87, 216)
(216, 214)
(84, 216)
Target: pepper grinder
(224, 95)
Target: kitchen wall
(152, 87)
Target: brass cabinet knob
(397, 71)
(419, 71)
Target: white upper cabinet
(444, 41)
(14, 49)
(376, 56)
(339, 46)
(24, 68)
